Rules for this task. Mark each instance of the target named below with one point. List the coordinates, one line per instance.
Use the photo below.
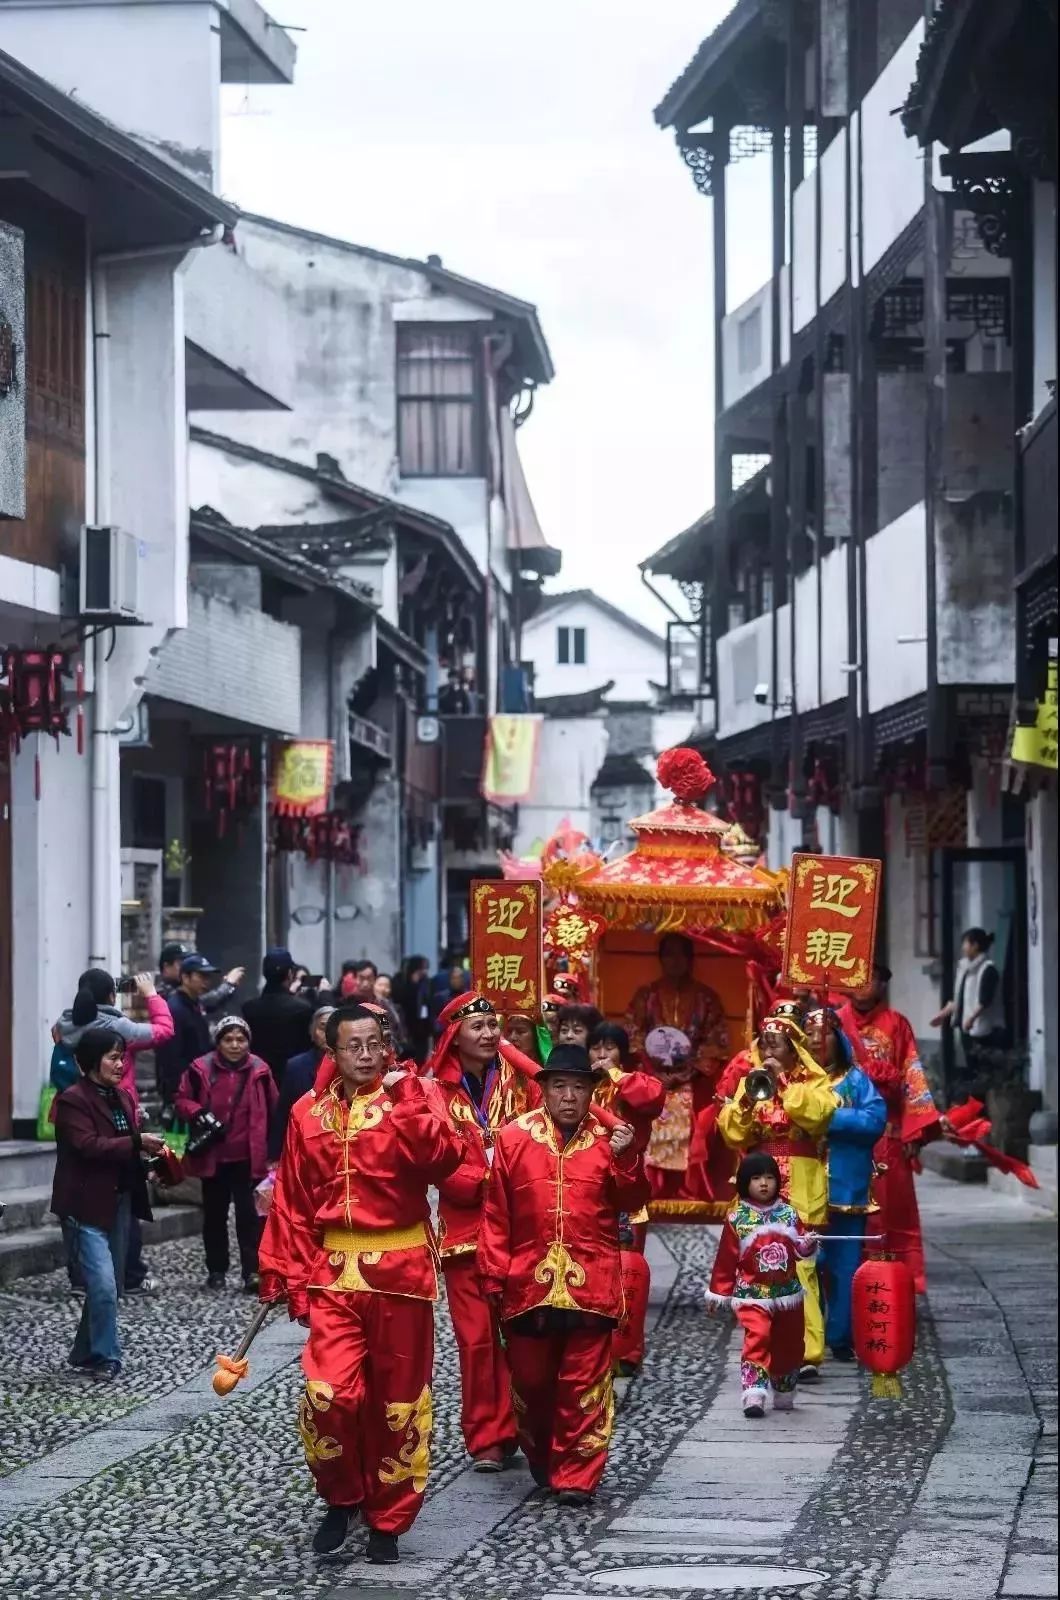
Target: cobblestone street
(153, 1489)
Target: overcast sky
(518, 144)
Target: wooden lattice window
(55, 354)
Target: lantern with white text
(884, 1309)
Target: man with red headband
(485, 1083)
(348, 1245)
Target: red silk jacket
(511, 1091)
(350, 1211)
(550, 1227)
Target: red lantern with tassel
(31, 699)
(884, 1310)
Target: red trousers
(772, 1346)
(561, 1384)
(487, 1420)
(628, 1338)
(365, 1418)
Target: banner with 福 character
(301, 777)
(507, 965)
(833, 903)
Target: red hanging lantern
(31, 699)
(884, 1311)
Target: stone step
(950, 1161)
(25, 1164)
(27, 1251)
(25, 1208)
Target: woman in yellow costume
(782, 1107)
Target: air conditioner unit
(110, 575)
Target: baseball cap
(197, 963)
(171, 952)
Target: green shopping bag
(45, 1124)
(177, 1138)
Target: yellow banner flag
(510, 758)
(1037, 744)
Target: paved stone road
(154, 1490)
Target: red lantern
(31, 698)
(884, 1307)
(231, 783)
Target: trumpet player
(782, 1108)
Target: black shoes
(842, 1352)
(331, 1535)
(574, 1497)
(216, 1280)
(252, 1283)
(809, 1372)
(382, 1549)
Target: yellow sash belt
(374, 1241)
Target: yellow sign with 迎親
(831, 933)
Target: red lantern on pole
(884, 1308)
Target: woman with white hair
(228, 1098)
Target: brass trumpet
(760, 1084)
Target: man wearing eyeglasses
(348, 1244)
(485, 1083)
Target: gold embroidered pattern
(413, 1460)
(562, 1273)
(599, 1399)
(317, 1446)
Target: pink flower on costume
(772, 1257)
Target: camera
(762, 694)
(126, 985)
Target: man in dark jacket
(279, 1020)
(298, 1080)
(171, 959)
(191, 1031)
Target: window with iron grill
(439, 397)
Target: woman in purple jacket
(240, 1091)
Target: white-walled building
(95, 233)
(854, 580)
(577, 642)
(395, 464)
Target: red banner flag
(507, 964)
(832, 908)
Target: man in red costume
(891, 1059)
(348, 1245)
(676, 1000)
(636, 1097)
(549, 1259)
(483, 1083)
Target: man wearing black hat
(549, 1259)
(279, 1019)
(191, 1031)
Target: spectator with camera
(171, 960)
(100, 1185)
(228, 1096)
(191, 1027)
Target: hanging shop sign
(301, 777)
(507, 964)
(1036, 744)
(832, 909)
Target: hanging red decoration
(327, 837)
(232, 790)
(31, 699)
(884, 1307)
